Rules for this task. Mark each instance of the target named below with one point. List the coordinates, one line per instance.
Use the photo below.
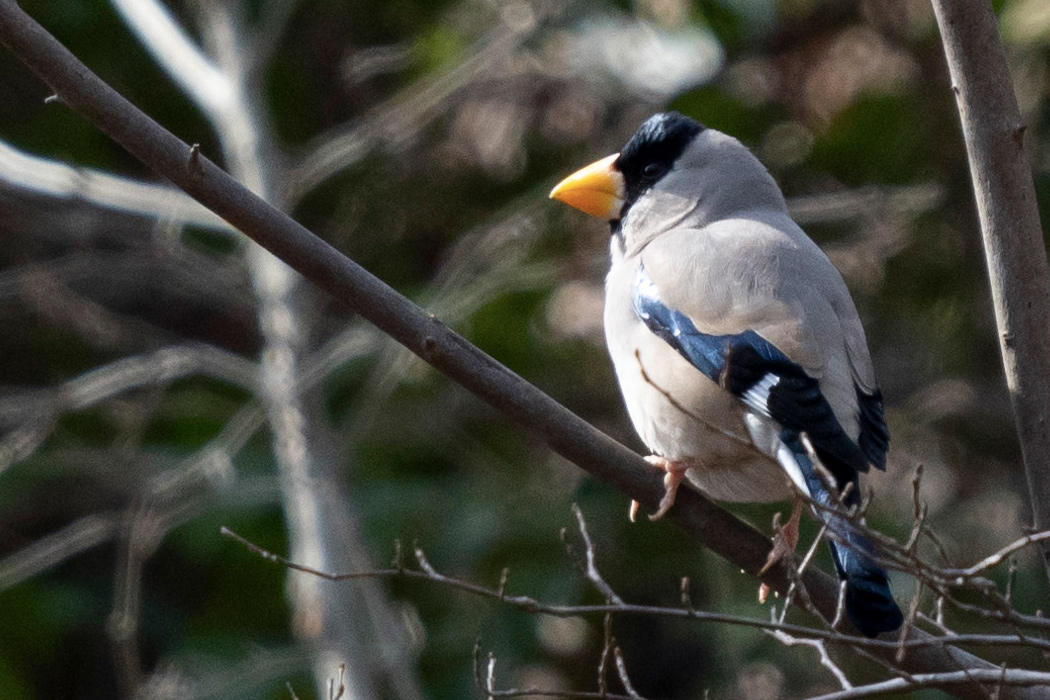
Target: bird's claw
(785, 539)
(674, 474)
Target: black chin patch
(652, 151)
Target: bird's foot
(674, 472)
(785, 539)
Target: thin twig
(796, 585)
(729, 434)
(941, 680)
(606, 655)
(336, 691)
(591, 570)
(490, 676)
(621, 670)
(531, 605)
(995, 559)
(822, 651)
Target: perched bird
(737, 347)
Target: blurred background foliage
(421, 137)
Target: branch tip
(194, 161)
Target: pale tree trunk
(347, 626)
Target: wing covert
(766, 380)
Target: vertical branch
(1013, 241)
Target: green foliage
(715, 108)
(876, 140)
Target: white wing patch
(757, 397)
(765, 436)
(789, 462)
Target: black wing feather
(796, 403)
(874, 439)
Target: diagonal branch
(447, 351)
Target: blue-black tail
(869, 603)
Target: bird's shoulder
(727, 279)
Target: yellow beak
(597, 190)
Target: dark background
(114, 580)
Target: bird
(737, 347)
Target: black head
(653, 150)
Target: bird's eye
(653, 170)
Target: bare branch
(54, 179)
(336, 691)
(621, 671)
(997, 558)
(822, 651)
(942, 680)
(34, 413)
(490, 677)
(527, 604)
(1013, 238)
(77, 537)
(606, 656)
(591, 569)
(174, 51)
